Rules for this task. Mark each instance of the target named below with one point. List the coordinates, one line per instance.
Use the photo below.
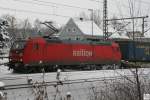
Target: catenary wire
(48, 2)
(29, 11)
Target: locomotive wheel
(31, 70)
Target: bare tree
(96, 17)
(12, 25)
(26, 27)
(119, 26)
(37, 25)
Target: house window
(77, 38)
(68, 30)
(36, 46)
(73, 30)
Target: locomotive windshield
(18, 45)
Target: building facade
(80, 29)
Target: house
(80, 29)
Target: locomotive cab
(116, 52)
(16, 54)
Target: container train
(37, 53)
(135, 51)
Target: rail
(54, 83)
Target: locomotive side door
(38, 52)
(116, 55)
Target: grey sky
(46, 8)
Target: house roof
(86, 27)
(115, 34)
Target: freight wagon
(138, 51)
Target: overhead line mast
(105, 22)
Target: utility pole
(105, 21)
(143, 25)
(92, 21)
(92, 18)
(133, 34)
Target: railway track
(55, 82)
(24, 86)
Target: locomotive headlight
(40, 62)
(21, 60)
(10, 59)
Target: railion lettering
(82, 52)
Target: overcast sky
(47, 9)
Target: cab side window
(36, 46)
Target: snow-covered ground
(78, 75)
(80, 83)
(5, 60)
(4, 69)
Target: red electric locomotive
(48, 53)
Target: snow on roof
(115, 34)
(124, 36)
(86, 27)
